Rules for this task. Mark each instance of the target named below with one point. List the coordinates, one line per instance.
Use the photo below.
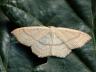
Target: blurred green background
(75, 14)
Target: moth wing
(72, 38)
(60, 51)
(47, 50)
(41, 50)
(27, 35)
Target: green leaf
(76, 14)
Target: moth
(51, 41)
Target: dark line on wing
(73, 37)
(41, 42)
(27, 33)
(65, 42)
(70, 40)
(51, 44)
